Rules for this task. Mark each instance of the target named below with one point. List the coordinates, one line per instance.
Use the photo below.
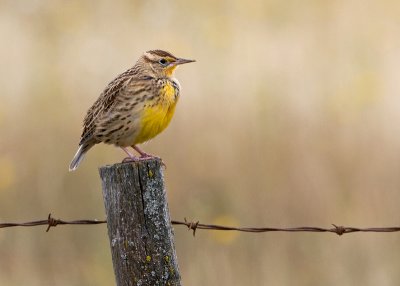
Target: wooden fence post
(139, 225)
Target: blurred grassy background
(289, 117)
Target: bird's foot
(130, 159)
(145, 156)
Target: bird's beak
(183, 61)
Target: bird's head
(162, 63)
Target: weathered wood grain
(139, 225)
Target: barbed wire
(51, 222)
(339, 230)
(191, 225)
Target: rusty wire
(339, 230)
(51, 222)
(191, 225)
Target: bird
(134, 107)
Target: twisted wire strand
(195, 225)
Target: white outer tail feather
(80, 154)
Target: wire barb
(191, 226)
(340, 230)
(51, 222)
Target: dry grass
(288, 118)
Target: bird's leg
(144, 155)
(141, 152)
(131, 156)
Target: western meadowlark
(135, 107)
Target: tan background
(290, 117)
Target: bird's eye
(163, 62)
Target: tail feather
(80, 154)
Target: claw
(130, 159)
(143, 156)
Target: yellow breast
(157, 114)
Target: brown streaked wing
(103, 103)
